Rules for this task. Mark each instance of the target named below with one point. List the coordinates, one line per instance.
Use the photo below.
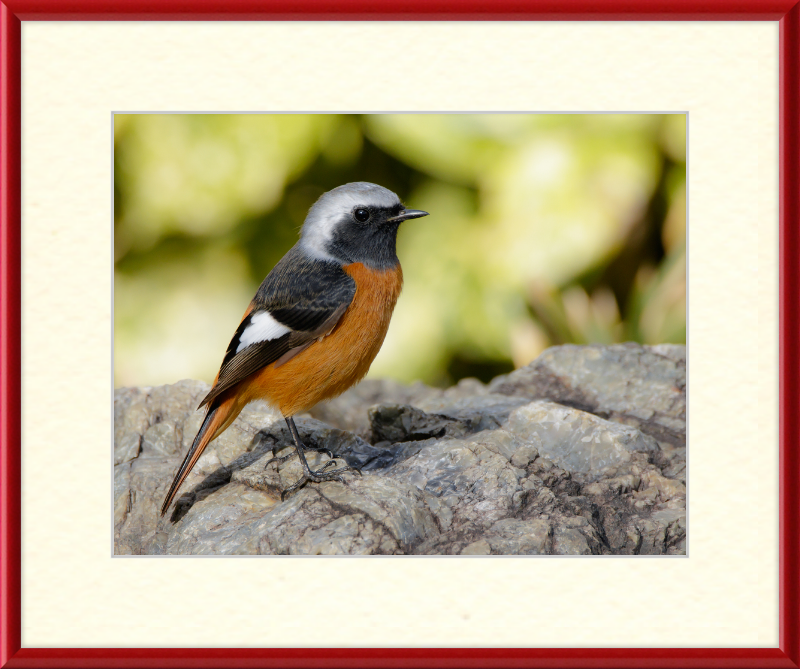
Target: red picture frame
(13, 12)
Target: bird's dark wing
(300, 301)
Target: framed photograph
(68, 71)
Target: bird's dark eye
(361, 214)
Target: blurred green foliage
(544, 229)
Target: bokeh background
(543, 229)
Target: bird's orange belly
(333, 364)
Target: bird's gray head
(356, 222)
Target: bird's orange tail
(219, 416)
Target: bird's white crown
(335, 207)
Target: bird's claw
(319, 476)
(279, 460)
(283, 459)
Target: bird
(316, 322)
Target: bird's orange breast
(334, 363)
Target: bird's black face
(368, 234)
(356, 222)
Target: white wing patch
(263, 327)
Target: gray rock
(576, 440)
(576, 535)
(510, 536)
(126, 447)
(130, 414)
(471, 470)
(160, 439)
(451, 415)
(400, 422)
(221, 522)
(479, 547)
(349, 410)
(347, 535)
(642, 386)
(139, 529)
(471, 476)
(398, 507)
(569, 541)
(479, 412)
(122, 493)
(373, 515)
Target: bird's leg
(308, 475)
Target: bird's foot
(319, 476)
(280, 460)
(284, 458)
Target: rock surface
(581, 453)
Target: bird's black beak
(407, 214)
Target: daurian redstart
(317, 321)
